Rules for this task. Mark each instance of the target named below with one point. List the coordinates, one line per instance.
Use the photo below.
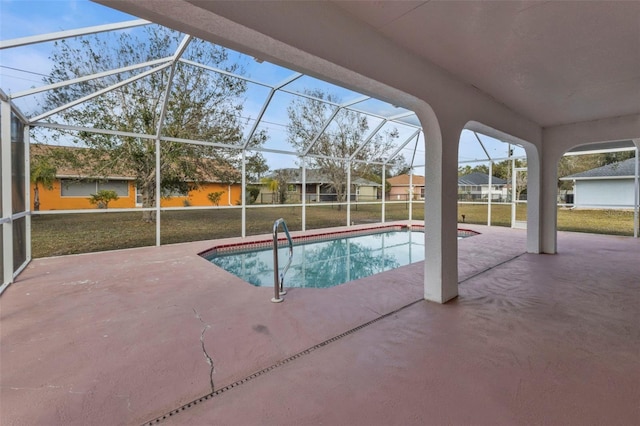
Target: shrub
(214, 197)
(103, 197)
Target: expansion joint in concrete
(491, 267)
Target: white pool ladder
(278, 281)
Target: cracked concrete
(204, 349)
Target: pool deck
(127, 337)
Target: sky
(24, 67)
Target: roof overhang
(603, 147)
(599, 178)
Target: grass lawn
(613, 222)
(54, 235)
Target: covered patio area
(159, 334)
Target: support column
(243, 212)
(7, 209)
(441, 210)
(304, 193)
(27, 190)
(384, 191)
(348, 193)
(490, 193)
(158, 191)
(541, 202)
(636, 191)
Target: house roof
(477, 179)
(316, 176)
(65, 168)
(403, 180)
(626, 168)
(63, 157)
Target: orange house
(70, 191)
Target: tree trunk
(148, 200)
(36, 198)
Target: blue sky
(22, 68)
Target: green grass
(612, 222)
(54, 235)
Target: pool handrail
(278, 282)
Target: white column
(636, 180)
(384, 190)
(490, 193)
(158, 192)
(27, 192)
(441, 209)
(514, 193)
(411, 194)
(243, 231)
(7, 209)
(548, 210)
(348, 193)
(304, 194)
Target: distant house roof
(315, 176)
(403, 180)
(478, 179)
(621, 169)
(86, 170)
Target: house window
(174, 193)
(84, 188)
(139, 200)
(422, 192)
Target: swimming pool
(325, 262)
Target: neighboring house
(318, 188)
(475, 186)
(611, 186)
(404, 187)
(72, 189)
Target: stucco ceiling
(555, 62)
(552, 62)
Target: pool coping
(311, 236)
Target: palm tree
(278, 184)
(43, 173)
(272, 185)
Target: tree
(467, 169)
(103, 197)
(43, 173)
(201, 105)
(338, 142)
(252, 193)
(399, 167)
(278, 184)
(256, 166)
(214, 197)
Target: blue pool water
(327, 263)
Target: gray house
(475, 186)
(611, 186)
(318, 188)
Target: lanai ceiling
(552, 62)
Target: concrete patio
(127, 337)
